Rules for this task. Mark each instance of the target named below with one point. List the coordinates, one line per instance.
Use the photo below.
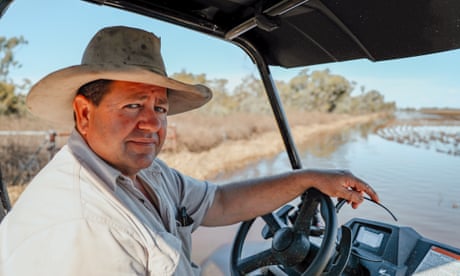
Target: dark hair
(94, 91)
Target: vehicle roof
(296, 33)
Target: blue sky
(57, 32)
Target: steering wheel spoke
(307, 211)
(274, 223)
(261, 259)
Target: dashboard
(386, 250)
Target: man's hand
(343, 184)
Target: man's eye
(132, 106)
(161, 109)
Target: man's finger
(371, 192)
(360, 185)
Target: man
(105, 205)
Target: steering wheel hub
(290, 247)
(282, 239)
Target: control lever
(342, 201)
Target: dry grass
(197, 132)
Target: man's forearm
(247, 199)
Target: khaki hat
(114, 53)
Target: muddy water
(413, 165)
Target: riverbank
(236, 154)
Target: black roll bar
(274, 99)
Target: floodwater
(415, 168)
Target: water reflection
(420, 185)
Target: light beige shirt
(80, 216)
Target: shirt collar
(91, 161)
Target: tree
(318, 91)
(11, 102)
(372, 101)
(315, 91)
(250, 96)
(221, 103)
(296, 94)
(327, 90)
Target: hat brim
(51, 98)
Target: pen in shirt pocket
(183, 218)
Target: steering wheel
(291, 249)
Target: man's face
(128, 128)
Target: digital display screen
(369, 237)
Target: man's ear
(81, 108)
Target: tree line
(309, 91)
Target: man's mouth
(150, 141)
(145, 141)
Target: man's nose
(149, 120)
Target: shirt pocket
(165, 255)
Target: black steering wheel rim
(310, 201)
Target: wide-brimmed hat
(114, 53)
